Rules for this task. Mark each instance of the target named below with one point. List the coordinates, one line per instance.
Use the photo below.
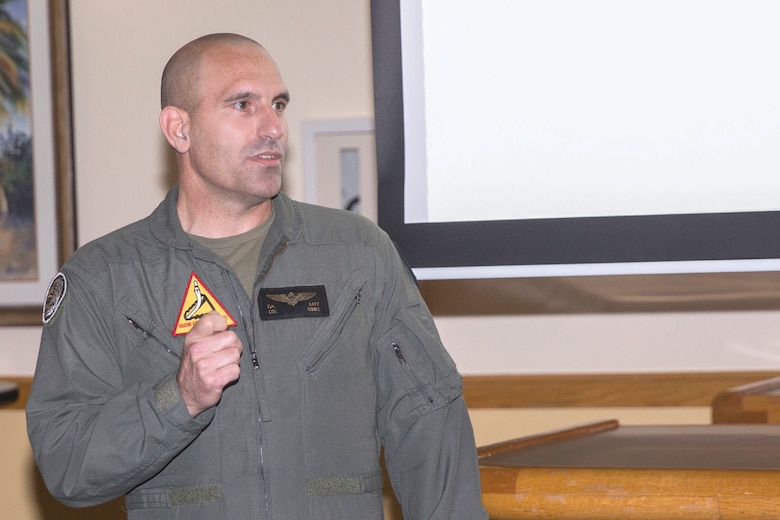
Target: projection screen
(575, 137)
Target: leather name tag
(293, 302)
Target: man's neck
(210, 221)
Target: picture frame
(327, 144)
(53, 166)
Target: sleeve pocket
(421, 367)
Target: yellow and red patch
(198, 301)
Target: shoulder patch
(54, 296)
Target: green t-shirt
(241, 252)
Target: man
(239, 355)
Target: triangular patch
(197, 302)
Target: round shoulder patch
(54, 296)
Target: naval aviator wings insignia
(309, 301)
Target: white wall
(324, 50)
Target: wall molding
(602, 390)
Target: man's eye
(279, 106)
(241, 105)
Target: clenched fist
(209, 363)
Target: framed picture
(339, 165)
(37, 223)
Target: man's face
(238, 132)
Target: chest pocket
(145, 339)
(326, 337)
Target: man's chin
(269, 188)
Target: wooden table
(605, 470)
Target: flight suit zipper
(337, 327)
(401, 359)
(276, 254)
(256, 366)
(146, 335)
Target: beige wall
(122, 169)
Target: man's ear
(174, 123)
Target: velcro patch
(309, 301)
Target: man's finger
(208, 325)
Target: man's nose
(271, 124)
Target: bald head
(180, 77)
